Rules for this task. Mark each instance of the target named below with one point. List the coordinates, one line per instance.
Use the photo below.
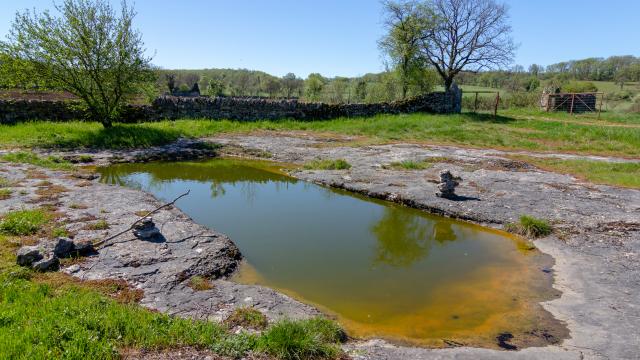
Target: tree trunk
(447, 84)
(107, 124)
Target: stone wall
(170, 107)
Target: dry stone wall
(171, 107)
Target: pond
(383, 270)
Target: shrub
(338, 164)
(247, 317)
(579, 87)
(304, 339)
(530, 226)
(23, 222)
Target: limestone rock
(27, 255)
(64, 247)
(146, 229)
(49, 263)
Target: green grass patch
(4, 182)
(594, 171)
(338, 164)
(247, 317)
(409, 165)
(530, 226)
(5, 194)
(23, 222)
(98, 225)
(55, 316)
(306, 339)
(26, 157)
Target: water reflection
(402, 238)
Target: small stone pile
(46, 257)
(146, 229)
(447, 185)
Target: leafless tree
(469, 34)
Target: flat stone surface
(596, 246)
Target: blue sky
(336, 37)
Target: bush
(305, 339)
(522, 100)
(23, 222)
(579, 87)
(620, 95)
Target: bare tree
(469, 34)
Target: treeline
(569, 76)
(370, 88)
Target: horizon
(336, 39)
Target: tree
(468, 35)
(171, 82)
(291, 84)
(215, 88)
(88, 50)
(271, 86)
(406, 24)
(314, 86)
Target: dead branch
(96, 244)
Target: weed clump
(409, 165)
(247, 317)
(5, 194)
(23, 222)
(305, 339)
(530, 226)
(98, 225)
(199, 283)
(338, 164)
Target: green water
(382, 269)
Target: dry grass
(199, 283)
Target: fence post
(495, 110)
(573, 99)
(600, 106)
(475, 104)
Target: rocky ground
(596, 244)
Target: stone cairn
(146, 229)
(447, 185)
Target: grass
(530, 226)
(411, 165)
(338, 164)
(5, 194)
(98, 225)
(56, 316)
(514, 130)
(597, 172)
(23, 222)
(247, 317)
(27, 157)
(200, 283)
(306, 339)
